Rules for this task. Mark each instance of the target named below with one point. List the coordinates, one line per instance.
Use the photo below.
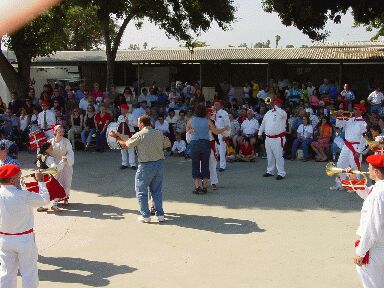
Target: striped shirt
(149, 144)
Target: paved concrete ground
(252, 232)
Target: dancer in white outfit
(274, 127)
(369, 258)
(354, 143)
(62, 150)
(18, 249)
(222, 121)
(127, 123)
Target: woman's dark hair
(375, 128)
(93, 107)
(44, 147)
(327, 120)
(200, 111)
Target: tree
(377, 23)
(145, 45)
(243, 45)
(195, 44)
(310, 16)
(64, 27)
(134, 47)
(39, 38)
(277, 40)
(179, 19)
(289, 46)
(262, 44)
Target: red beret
(361, 107)
(44, 102)
(124, 106)
(277, 101)
(9, 170)
(376, 160)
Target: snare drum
(112, 142)
(36, 139)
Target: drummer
(46, 120)
(127, 123)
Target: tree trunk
(12, 79)
(112, 46)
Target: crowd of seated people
(312, 132)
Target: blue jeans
(304, 145)
(86, 139)
(101, 140)
(200, 152)
(149, 174)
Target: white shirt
(376, 97)
(354, 128)
(371, 228)
(222, 121)
(50, 118)
(262, 94)
(310, 90)
(179, 146)
(314, 120)
(16, 207)
(274, 122)
(129, 119)
(172, 120)
(305, 131)
(24, 122)
(348, 95)
(83, 105)
(250, 127)
(164, 128)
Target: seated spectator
(375, 99)
(323, 141)
(102, 119)
(89, 127)
(28, 106)
(15, 104)
(249, 129)
(303, 140)
(3, 107)
(143, 95)
(83, 104)
(57, 97)
(61, 119)
(34, 118)
(314, 100)
(246, 151)
(162, 125)
(348, 96)
(181, 124)
(76, 122)
(96, 93)
(179, 146)
(24, 131)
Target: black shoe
(221, 169)
(279, 177)
(153, 211)
(204, 190)
(196, 190)
(134, 168)
(267, 175)
(122, 167)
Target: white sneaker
(143, 219)
(160, 218)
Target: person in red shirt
(102, 119)
(96, 93)
(246, 151)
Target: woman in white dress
(62, 150)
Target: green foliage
(376, 23)
(81, 31)
(277, 40)
(310, 16)
(243, 45)
(266, 44)
(289, 46)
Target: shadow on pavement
(81, 271)
(212, 224)
(96, 211)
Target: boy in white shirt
(179, 146)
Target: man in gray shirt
(149, 144)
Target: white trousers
(222, 148)
(128, 155)
(372, 275)
(275, 156)
(346, 160)
(212, 169)
(18, 253)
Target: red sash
(281, 135)
(18, 234)
(350, 147)
(366, 257)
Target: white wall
(4, 92)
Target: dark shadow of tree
(97, 272)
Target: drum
(112, 142)
(36, 139)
